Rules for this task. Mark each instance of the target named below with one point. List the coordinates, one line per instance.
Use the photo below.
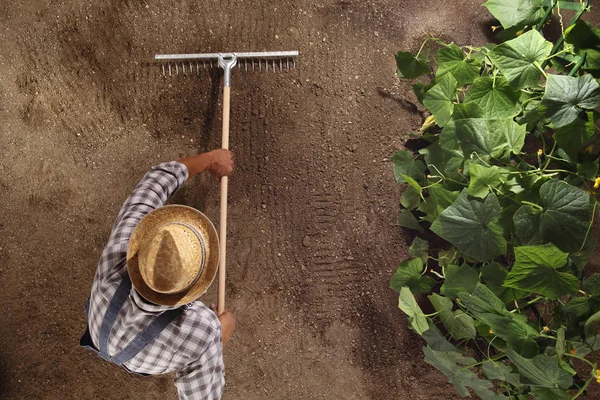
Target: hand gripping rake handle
(227, 64)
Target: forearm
(197, 164)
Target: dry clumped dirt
(312, 242)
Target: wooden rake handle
(223, 205)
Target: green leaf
(447, 257)
(588, 170)
(457, 323)
(409, 274)
(494, 276)
(577, 308)
(542, 393)
(436, 341)
(451, 59)
(471, 226)
(448, 364)
(514, 330)
(495, 96)
(483, 179)
(564, 220)
(592, 285)
(591, 325)
(565, 97)
(536, 270)
(500, 371)
(411, 198)
(409, 66)
(405, 164)
(420, 89)
(468, 110)
(573, 137)
(585, 39)
(419, 248)
(459, 279)
(541, 371)
(482, 301)
(438, 99)
(407, 220)
(493, 138)
(560, 342)
(516, 12)
(408, 304)
(439, 199)
(519, 59)
(445, 159)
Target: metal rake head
(190, 64)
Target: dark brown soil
(312, 244)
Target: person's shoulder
(202, 317)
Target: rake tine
(259, 66)
(280, 65)
(287, 60)
(183, 67)
(294, 60)
(246, 64)
(197, 69)
(267, 64)
(163, 68)
(170, 70)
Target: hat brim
(148, 227)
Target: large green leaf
(495, 96)
(493, 138)
(408, 304)
(516, 12)
(406, 219)
(436, 341)
(514, 330)
(563, 221)
(565, 97)
(572, 138)
(592, 285)
(409, 274)
(419, 248)
(500, 371)
(542, 393)
(459, 279)
(410, 198)
(536, 270)
(445, 159)
(451, 59)
(494, 276)
(449, 363)
(519, 59)
(591, 325)
(471, 225)
(483, 179)
(585, 39)
(482, 300)
(409, 66)
(405, 164)
(439, 199)
(457, 323)
(541, 371)
(439, 99)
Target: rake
(186, 64)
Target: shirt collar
(146, 305)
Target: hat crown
(173, 259)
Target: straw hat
(173, 255)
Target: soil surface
(312, 242)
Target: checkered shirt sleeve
(191, 344)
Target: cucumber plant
(502, 193)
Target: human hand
(220, 163)
(227, 324)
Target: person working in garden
(143, 311)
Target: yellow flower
(491, 331)
(546, 329)
(494, 27)
(540, 152)
(573, 351)
(519, 33)
(589, 149)
(458, 300)
(598, 375)
(597, 183)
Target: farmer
(169, 254)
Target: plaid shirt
(191, 344)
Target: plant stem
(585, 385)
(483, 362)
(582, 359)
(589, 227)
